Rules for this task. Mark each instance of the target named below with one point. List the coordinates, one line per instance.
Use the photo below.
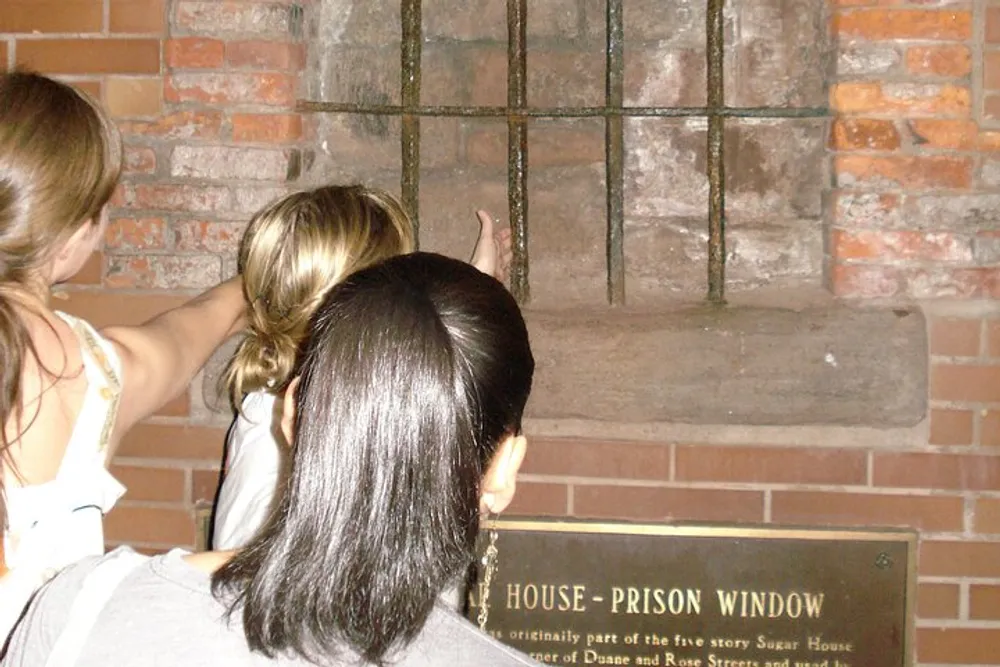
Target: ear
(82, 234)
(500, 480)
(288, 411)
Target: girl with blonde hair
(67, 391)
(291, 254)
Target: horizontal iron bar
(561, 112)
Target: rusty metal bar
(715, 156)
(559, 112)
(517, 145)
(410, 135)
(614, 150)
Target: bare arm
(162, 356)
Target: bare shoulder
(53, 386)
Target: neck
(209, 561)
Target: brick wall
(204, 92)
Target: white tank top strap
(97, 417)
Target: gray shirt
(163, 614)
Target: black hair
(414, 370)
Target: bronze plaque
(579, 593)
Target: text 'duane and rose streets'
(570, 645)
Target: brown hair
(290, 256)
(60, 160)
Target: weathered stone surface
(783, 54)
(760, 366)
(667, 259)
(663, 75)
(774, 169)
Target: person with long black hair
(404, 420)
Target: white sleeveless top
(52, 525)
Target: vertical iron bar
(715, 168)
(517, 145)
(410, 135)
(614, 144)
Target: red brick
(902, 99)
(936, 471)
(993, 337)
(178, 407)
(965, 382)
(852, 134)
(204, 485)
(232, 88)
(152, 484)
(90, 56)
(266, 128)
(130, 97)
(991, 107)
(179, 125)
(229, 163)
(207, 236)
(163, 272)
(583, 458)
(937, 601)
(136, 16)
(949, 60)
(989, 428)
(987, 516)
(904, 171)
(955, 337)
(655, 503)
(991, 70)
(936, 133)
(925, 513)
(993, 25)
(951, 427)
(867, 210)
(222, 18)
(942, 281)
(157, 441)
(194, 53)
(189, 198)
(258, 54)
(139, 160)
(135, 234)
(984, 602)
(885, 24)
(960, 559)
(860, 281)
(778, 465)
(73, 16)
(900, 245)
(539, 499)
(966, 646)
(150, 525)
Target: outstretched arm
(162, 356)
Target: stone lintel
(832, 365)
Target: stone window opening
(799, 97)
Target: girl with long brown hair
(67, 391)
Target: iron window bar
(614, 111)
